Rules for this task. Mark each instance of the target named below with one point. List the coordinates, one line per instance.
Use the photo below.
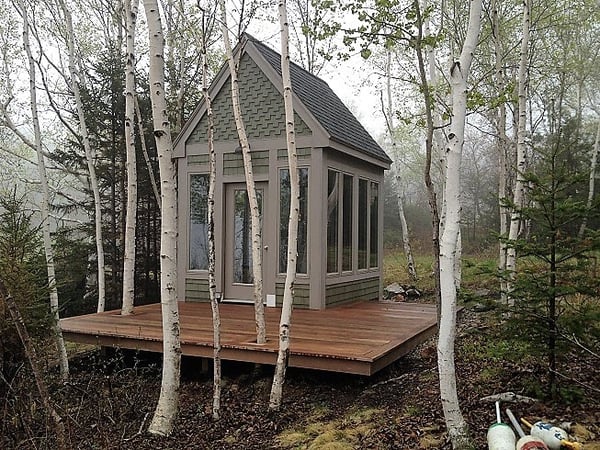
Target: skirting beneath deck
(359, 338)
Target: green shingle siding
(197, 160)
(303, 153)
(233, 163)
(262, 109)
(196, 290)
(301, 294)
(351, 291)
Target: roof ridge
(323, 103)
(256, 41)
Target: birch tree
(259, 309)
(592, 180)
(207, 25)
(427, 80)
(141, 130)
(501, 142)
(45, 203)
(519, 189)
(292, 250)
(310, 22)
(168, 402)
(389, 119)
(75, 79)
(131, 11)
(459, 73)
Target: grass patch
(478, 271)
(412, 411)
(338, 434)
(394, 270)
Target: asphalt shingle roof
(325, 106)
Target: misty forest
(482, 168)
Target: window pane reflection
(332, 221)
(242, 235)
(374, 212)
(347, 222)
(284, 214)
(198, 257)
(362, 224)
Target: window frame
(369, 222)
(308, 218)
(189, 221)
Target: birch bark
(292, 250)
(259, 309)
(131, 11)
(591, 186)
(426, 88)
(459, 72)
(45, 204)
(75, 79)
(168, 402)
(410, 263)
(141, 130)
(212, 285)
(502, 144)
(519, 190)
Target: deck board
(359, 338)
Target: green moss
(412, 411)
(340, 434)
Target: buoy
(553, 437)
(500, 436)
(530, 443)
(525, 442)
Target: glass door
(238, 266)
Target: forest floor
(109, 401)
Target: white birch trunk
(75, 78)
(45, 204)
(168, 402)
(591, 187)
(458, 260)
(141, 130)
(259, 308)
(212, 285)
(292, 250)
(502, 143)
(131, 11)
(455, 423)
(519, 190)
(433, 83)
(410, 263)
(427, 80)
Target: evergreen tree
(22, 267)
(555, 286)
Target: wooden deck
(359, 338)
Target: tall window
(332, 221)
(347, 213)
(198, 257)
(363, 221)
(284, 215)
(340, 221)
(374, 232)
(242, 235)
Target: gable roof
(331, 122)
(324, 105)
